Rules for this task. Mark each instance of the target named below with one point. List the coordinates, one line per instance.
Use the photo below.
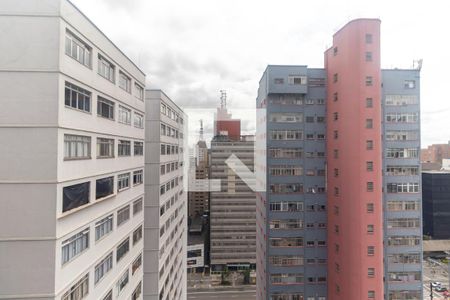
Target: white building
(71, 157)
(166, 201)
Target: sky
(193, 49)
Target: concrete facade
(67, 228)
(165, 225)
(232, 209)
(291, 215)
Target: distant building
(198, 196)
(165, 227)
(435, 153)
(436, 204)
(72, 158)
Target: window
(286, 260)
(74, 245)
(124, 82)
(137, 235)
(335, 77)
(320, 119)
(122, 249)
(75, 196)
(77, 147)
(369, 145)
(336, 153)
(124, 115)
(409, 84)
(288, 224)
(402, 135)
(370, 186)
(402, 153)
(396, 205)
(139, 91)
(286, 242)
(79, 290)
(369, 102)
(335, 51)
(124, 148)
(369, 166)
(370, 207)
(371, 294)
(370, 229)
(291, 206)
(369, 38)
(103, 267)
(123, 215)
(78, 49)
(286, 117)
(138, 120)
(403, 187)
(123, 281)
(369, 123)
(402, 117)
(136, 264)
(104, 187)
(286, 134)
(402, 170)
(309, 119)
(335, 97)
(368, 56)
(335, 116)
(137, 292)
(401, 100)
(335, 134)
(297, 80)
(105, 108)
(369, 80)
(105, 68)
(138, 148)
(403, 223)
(278, 80)
(286, 188)
(103, 227)
(105, 148)
(108, 296)
(370, 250)
(77, 97)
(137, 206)
(286, 170)
(137, 177)
(123, 181)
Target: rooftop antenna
(223, 99)
(417, 64)
(201, 129)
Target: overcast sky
(192, 49)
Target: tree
(224, 276)
(246, 273)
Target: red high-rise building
(354, 149)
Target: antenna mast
(201, 130)
(223, 99)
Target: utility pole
(431, 290)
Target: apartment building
(198, 200)
(436, 204)
(71, 214)
(292, 213)
(232, 209)
(165, 225)
(359, 200)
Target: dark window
(335, 51)
(368, 56)
(75, 195)
(77, 97)
(122, 249)
(369, 38)
(104, 187)
(335, 77)
(369, 145)
(105, 108)
(369, 102)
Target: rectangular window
(286, 117)
(402, 135)
(104, 187)
(79, 290)
(137, 235)
(370, 186)
(138, 91)
(369, 102)
(369, 166)
(286, 135)
(371, 294)
(124, 148)
(74, 245)
(369, 80)
(123, 181)
(335, 97)
(103, 267)
(108, 296)
(77, 147)
(286, 188)
(369, 145)
(401, 100)
(409, 84)
(124, 82)
(123, 281)
(138, 148)
(136, 264)
(137, 206)
(137, 292)
(335, 77)
(124, 115)
(396, 205)
(105, 148)
(370, 250)
(75, 196)
(335, 51)
(370, 207)
(138, 120)
(297, 80)
(370, 229)
(138, 177)
(103, 227)
(122, 249)
(369, 123)
(278, 81)
(402, 117)
(286, 242)
(402, 153)
(369, 38)
(368, 56)
(77, 97)
(105, 108)
(403, 187)
(123, 215)
(105, 68)
(78, 49)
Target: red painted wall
(233, 127)
(348, 210)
